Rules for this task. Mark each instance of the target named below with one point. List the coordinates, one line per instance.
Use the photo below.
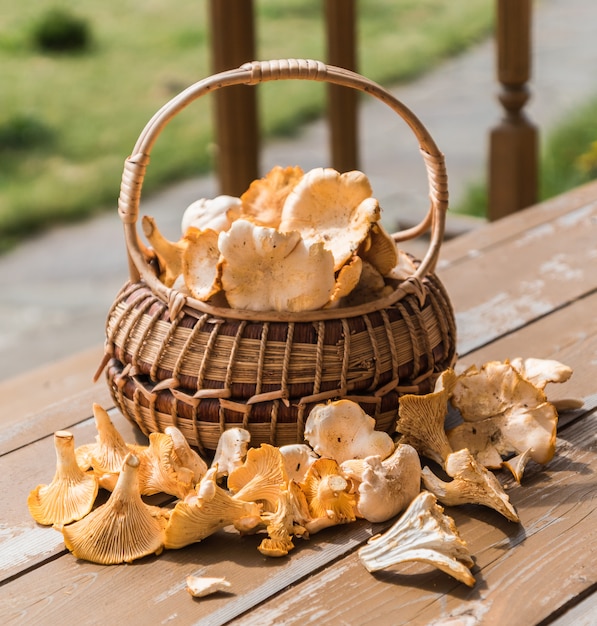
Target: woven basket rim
(252, 74)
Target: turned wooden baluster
(514, 142)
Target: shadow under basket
(175, 361)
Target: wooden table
(524, 286)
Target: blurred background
(80, 81)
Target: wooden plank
(581, 614)
(468, 245)
(533, 272)
(559, 520)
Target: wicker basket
(174, 360)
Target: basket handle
(252, 74)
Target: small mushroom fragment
(504, 413)
(214, 214)
(121, 530)
(423, 533)
(231, 450)
(200, 263)
(201, 586)
(517, 465)
(421, 419)
(341, 430)
(346, 281)
(261, 478)
(263, 201)
(196, 517)
(471, 484)
(331, 208)
(72, 492)
(385, 487)
(263, 269)
(169, 253)
(329, 495)
(298, 457)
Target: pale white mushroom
(298, 457)
(211, 213)
(263, 269)
(504, 413)
(341, 430)
(425, 534)
(195, 518)
(121, 530)
(517, 464)
(263, 201)
(421, 419)
(385, 487)
(72, 492)
(200, 263)
(231, 450)
(471, 484)
(201, 586)
(332, 208)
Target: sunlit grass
(94, 104)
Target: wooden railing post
(513, 177)
(237, 127)
(340, 22)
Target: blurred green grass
(76, 117)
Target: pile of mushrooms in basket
(317, 243)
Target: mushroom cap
(423, 533)
(200, 586)
(263, 201)
(333, 208)
(231, 450)
(211, 213)
(200, 263)
(341, 430)
(387, 487)
(121, 530)
(539, 372)
(380, 250)
(264, 270)
(72, 492)
(298, 457)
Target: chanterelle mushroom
(71, 494)
(332, 208)
(169, 253)
(423, 533)
(421, 419)
(197, 517)
(263, 201)
(329, 495)
(264, 270)
(121, 530)
(200, 263)
(385, 487)
(341, 430)
(231, 450)
(471, 484)
(503, 413)
(297, 457)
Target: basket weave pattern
(174, 360)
